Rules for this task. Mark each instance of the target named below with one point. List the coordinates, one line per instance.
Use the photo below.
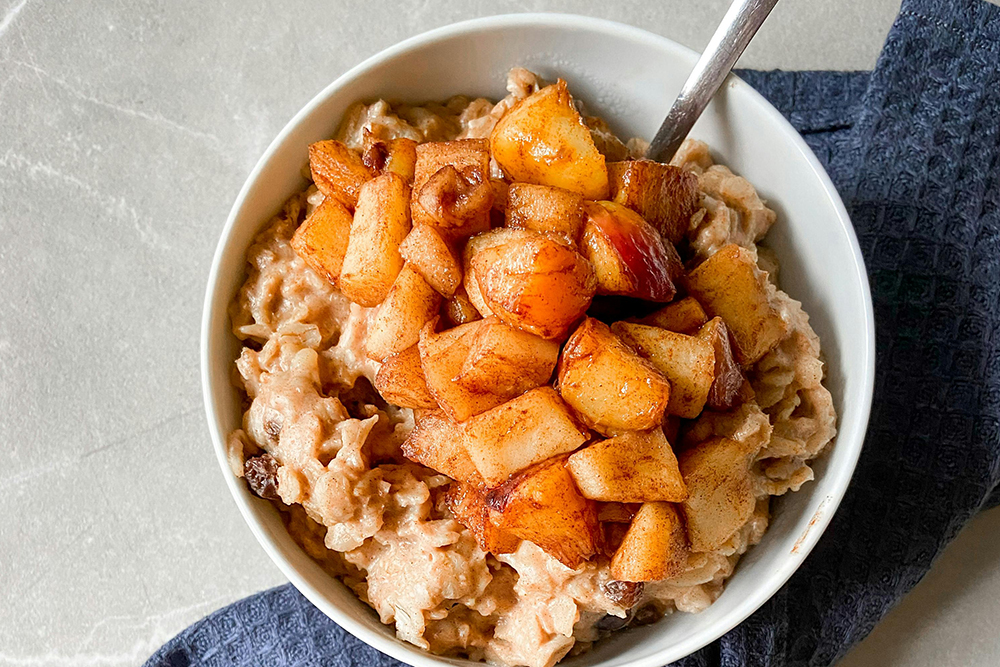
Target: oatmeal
(321, 441)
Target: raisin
(273, 429)
(375, 156)
(623, 593)
(611, 623)
(261, 473)
(647, 615)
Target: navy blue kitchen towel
(914, 148)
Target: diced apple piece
(469, 163)
(507, 361)
(725, 391)
(459, 309)
(655, 546)
(664, 195)
(400, 380)
(431, 255)
(396, 155)
(338, 171)
(685, 316)
(730, 286)
(543, 140)
(525, 430)
(396, 325)
(542, 505)
(634, 467)
(686, 361)
(441, 357)
(468, 503)
(381, 222)
(720, 491)
(607, 384)
(439, 443)
(473, 247)
(629, 256)
(545, 209)
(321, 241)
(538, 284)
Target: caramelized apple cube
(537, 284)
(730, 286)
(439, 443)
(655, 546)
(634, 467)
(686, 361)
(525, 430)
(400, 381)
(665, 196)
(468, 503)
(629, 256)
(542, 505)
(725, 391)
(720, 491)
(431, 255)
(473, 247)
(543, 140)
(545, 209)
(442, 356)
(507, 361)
(685, 316)
(410, 304)
(609, 386)
(381, 222)
(321, 241)
(457, 193)
(338, 171)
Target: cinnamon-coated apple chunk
(686, 361)
(543, 140)
(473, 247)
(338, 171)
(433, 257)
(321, 241)
(665, 196)
(725, 391)
(536, 284)
(457, 201)
(607, 384)
(685, 316)
(507, 361)
(525, 430)
(400, 380)
(629, 256)
(730, 286)
(464, 157)
(542, 505)
(410, 304)
(545, 209)
(439, 443)
(655, 546)
(634, 467)
(720, 491)
(441, 357)
(468, 503)
(381, 222)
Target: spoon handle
(738, 27)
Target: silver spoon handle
(738, 27)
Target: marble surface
(126, 130)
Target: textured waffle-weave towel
(914, 149)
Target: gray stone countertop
(126, 130)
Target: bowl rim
(852, 439)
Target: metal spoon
(738, 27)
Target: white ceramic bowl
(629, 77)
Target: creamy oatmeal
(321, 443)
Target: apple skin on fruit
(629, 256)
